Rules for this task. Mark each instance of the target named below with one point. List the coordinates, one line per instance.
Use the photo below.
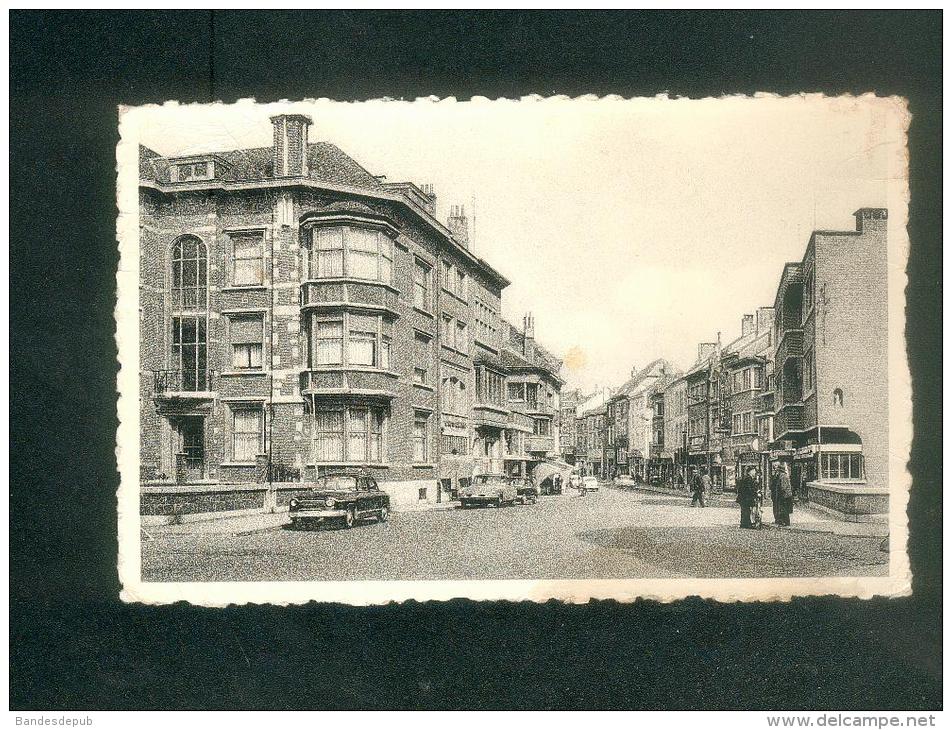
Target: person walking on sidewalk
(781, 490)
(748, 491)
(700, 487)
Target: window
(420, 439)
(462, 337)
(329, 343)
(516, 391)
(421, 285)
(488, 386)
(453, 395)
(190, 352)
(189, 275)
(367, 338)
(421, 370)
(349, 435)
(487, 322)
(454, 445)
(838, 397)
(247, 259)
(192, 171)
(246, 332)
(247, 434)
(454, 280)
(808, 371)
(362, 340)
(841, 466)
(461, 284)
(543, 427)
(361, 253)
(446, 330)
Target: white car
(590, 484)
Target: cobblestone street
(613, 533)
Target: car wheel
(384, 514)
(349, 518)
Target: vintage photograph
(519, 348)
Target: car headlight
(293, 503)
(329, 502)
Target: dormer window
(193, 170)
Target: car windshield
(338, 483)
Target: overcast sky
(631, 229)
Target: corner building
(299, 315)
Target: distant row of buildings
(805, 383)
(299, 316)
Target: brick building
(300, 315)
(630, 422)
(831, 424)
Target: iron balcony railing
(182, 381)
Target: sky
(631, 229)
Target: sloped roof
(325, 161)
(634, 383)
(594, 403)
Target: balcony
(339, 292)
(490, 414)
(788, 418)
(540, 444)
(183, 385)
(790, 345)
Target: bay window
(361, 253)
(349, 435)
(351, 339)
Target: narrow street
(613, 533)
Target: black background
(74, 646)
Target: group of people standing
(750, 495)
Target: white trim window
(421, 285)
(424, 358)
(246, 332)
(361, 253)
(247, 259)
(189, 274)
(421, 428)
(352, 435)
(846, 466)
(247, 437)
(350, 338)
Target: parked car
(483, 489)
(526, 491)
(345, 498)
(590, 484)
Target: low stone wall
(852, 502)
(189, 499)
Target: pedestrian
(699, 488)
(748, 490)
(781, 491)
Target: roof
(594, 404)
(327, 165)
(633, 383)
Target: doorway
(190, 433)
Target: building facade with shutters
(299, 315)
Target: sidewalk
(244, 524)
(803, 519)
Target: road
(610, 534)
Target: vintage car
(483, 489)
(526, 491)
(344, 498)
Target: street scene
(348, 376)
(612, 533)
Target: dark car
(488, 489)
(526, 491)
(344, 498)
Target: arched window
(189, 314)
(189, 274)
(838, 397)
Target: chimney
(747, 325)
(427, 189)
(705, 350)
(289, 152)
(765, 319)
(528, 336)
(871, 219)
(458, 224)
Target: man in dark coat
(699, 487)
(748, 490)
(781, 491)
